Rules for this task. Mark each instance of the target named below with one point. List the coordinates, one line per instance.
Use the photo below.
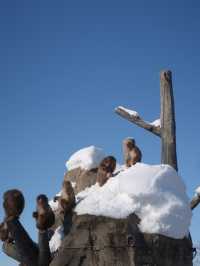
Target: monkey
(13, 203)
(67, 198)
(133, 154)
(105, 170)
(44, 215)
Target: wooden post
(167, 131)
(168, 125)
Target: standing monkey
(132, 153)
(67, 198)
(106, 169)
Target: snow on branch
(196, 199)
(135, 118)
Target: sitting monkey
(67, 198)
(132, 153)
(106, 169)
(44, 215)
(13, 203)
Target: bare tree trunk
(25, 247)
(44, 257)
(168, 125)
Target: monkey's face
(130, 144)
(42, 200)
(108, 164)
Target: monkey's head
(108, 164)
(130, 143)
(42, 200)
(67, 186)
(13, 202)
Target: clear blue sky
(65, 65)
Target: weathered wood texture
(101, 241)
(138, 121)
(168, 126)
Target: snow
(54, 204)
(56, 239)
(156, 123)
(197, 191)
(86, 158)
(154, 192)
(131, 112)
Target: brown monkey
(67, 198)
(132, 153)
(13, 203)
(44, 215)
(106, 169)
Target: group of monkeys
(13, 200)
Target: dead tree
(166, 130)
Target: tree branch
(195, 201)
(134, 117)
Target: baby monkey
(132, 153)
(44, 215)
(106, 169)
(67, 199)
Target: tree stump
(102, 241)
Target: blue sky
(66, 65)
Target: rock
(102, 241)
(82, 178)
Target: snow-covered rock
(86, 158)
(154, 192)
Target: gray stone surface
(82, 178)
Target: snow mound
(86, 158)
(154, 192)
(56, 239)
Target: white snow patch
(154, 192)
(86, 158)
(131, 112)
(197, 191)
(56, 239)
(54, 204)
(156, 123)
